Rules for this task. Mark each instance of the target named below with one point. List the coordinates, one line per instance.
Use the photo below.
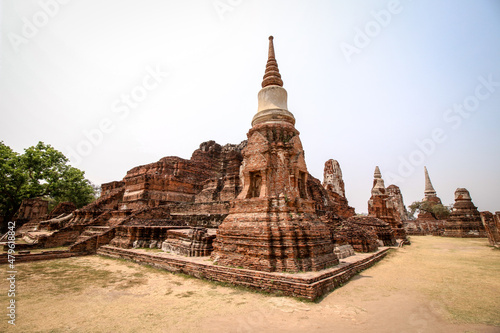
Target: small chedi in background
(432, 213)
(464, 220)
(387, 205)
(431, 198)
(491, 223)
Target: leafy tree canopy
(438, 211)
(41, 171)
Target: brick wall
(90, 245)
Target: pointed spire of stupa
(272, 75)
(272, 97)
(429, 189)
(378, 183)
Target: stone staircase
(91, 231)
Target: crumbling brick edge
(45, 255)
(312, 287)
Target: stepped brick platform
(308, 285)
(464, 220)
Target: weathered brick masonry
(311, 285)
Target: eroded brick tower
(272, 225)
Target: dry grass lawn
(434, 285)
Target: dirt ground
(435, 285)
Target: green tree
(12, 179)
(41, 171)
(438, 211)
(441, 212)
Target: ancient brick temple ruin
(32, 210)
(272, 225)
(491, 223)
(245, 213)
(426, 223)
(387, 205)
(430, 197)
(335, 198)
(464, 220)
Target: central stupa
(272, 224)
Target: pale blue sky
(373, 107)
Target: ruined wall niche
(302, 185)
(255, 184)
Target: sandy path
(431, 286)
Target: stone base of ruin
(399, 233)
(361, 239)
(423, 227)
(308, 285)
(385, 233)
(464, 233)
(140, 236)
(272, 239)
(195, 242)
(344, 251)
(461, 228)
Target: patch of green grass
(63, 276)
(131, 283)
(60, 248)
(461, 275)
